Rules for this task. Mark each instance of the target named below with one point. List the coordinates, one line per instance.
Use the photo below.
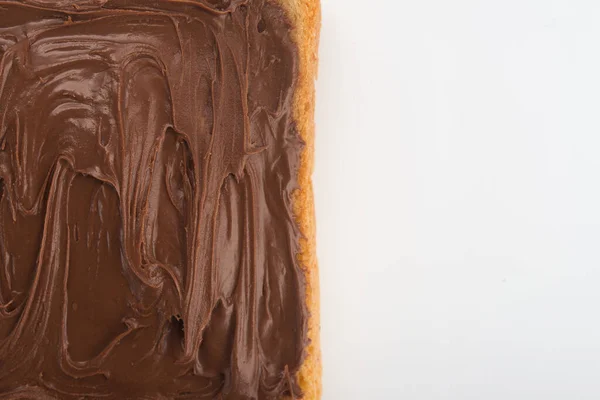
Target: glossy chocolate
(147, 240)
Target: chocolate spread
(148, 157)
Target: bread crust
(305, 17)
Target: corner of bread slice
(305, 18)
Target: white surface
(458, 199)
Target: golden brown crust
(305, 16)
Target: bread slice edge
(305, 18)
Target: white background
(458, 199)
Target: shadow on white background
(458, 199)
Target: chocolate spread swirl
(148, 157)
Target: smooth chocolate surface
(147, 240)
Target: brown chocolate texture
(147, 162)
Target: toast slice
(157, 234)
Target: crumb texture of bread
(305, 16)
